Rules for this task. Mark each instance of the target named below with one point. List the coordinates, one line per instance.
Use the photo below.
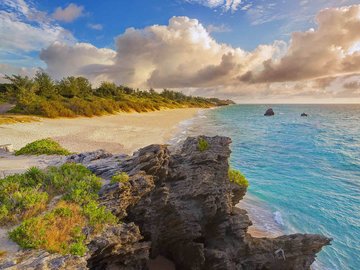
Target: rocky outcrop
(183, 205)
(269, 112)
(116, 247)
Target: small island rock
(304, 115)
(269, 112)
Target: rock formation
(269, 112)
(183, 205)
(304, 115)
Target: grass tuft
(43, 147)
(203, 145)
(122, 177)
(238, 178)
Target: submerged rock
(180, 206)
(269, 112)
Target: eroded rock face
(190, 216)
(181, 206)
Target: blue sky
(253, 23)
(245, 29)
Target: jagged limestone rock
(181, 206)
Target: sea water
(304, 172)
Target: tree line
(75, 96)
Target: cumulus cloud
(352, 85)
(68, 14)
(64, 60)
(183, 55)
(316, 53)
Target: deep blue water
(304, 172)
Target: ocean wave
(278, 218)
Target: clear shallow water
(304, 172)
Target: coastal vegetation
(203, 145)
(122, 177)
(69, 192)
(43, 147)
(75, 96)
(238, 178)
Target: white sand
(115, 133)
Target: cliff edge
(180, 205)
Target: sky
(252, 51)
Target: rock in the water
(304, 115)
(269, 112)
(180, 206)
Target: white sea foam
(278, 218)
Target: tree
(44, 85)
(107, 89)
(74, 87)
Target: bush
(25, 196)
(43, 147)
(203, 145)
(56, 231)
(98, 215)
(122, 177)
(238, 178)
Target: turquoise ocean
(304, 172)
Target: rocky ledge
(179, 205)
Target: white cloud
(95, 26)
(24, 28)
(226, 5)
(68, 14)
(6, 69)
(79, 59)
(181, 54)
(222, 28)
(318, 53)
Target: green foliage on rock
(238, 178)
(203, 145)
(43, 147)
(122, 177)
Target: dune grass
(6, 119)
(43, 147)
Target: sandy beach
(120, 133)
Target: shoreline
(119, 133)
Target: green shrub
(122, 177)
(55, 231)
(238, 178)
(98, 215)
(203, 145)
(43, 147)
(25, 196)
